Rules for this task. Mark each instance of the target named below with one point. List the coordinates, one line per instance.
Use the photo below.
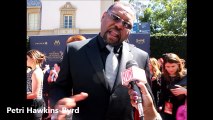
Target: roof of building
(33, 3)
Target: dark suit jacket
(83, 71)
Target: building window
(67, 16)
(33, 15)
(33, 21)
(67, 21)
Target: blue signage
(144, 28)
(53, 46)
(141, 27)
(135, 28)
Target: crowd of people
(79, 81)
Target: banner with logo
(53, 46)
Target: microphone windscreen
(132, 73)
(131, 63)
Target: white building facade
(58, 17)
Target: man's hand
(68, 103)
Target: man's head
(117, 22)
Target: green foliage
(161, 43)
(166, 16)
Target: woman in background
(155, 77)
(35, 83)
(173, 86)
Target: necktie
(111, 66)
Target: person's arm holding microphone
(150, 112)
(135, 79)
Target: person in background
(184, 65)
(155, 77)
(50, 77)
(35, 83)
(160, 63)
(83, 71)
(54, 73)
(173, 86)
(46, 70)
(75, 38)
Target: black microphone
(134, 86)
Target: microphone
(131, 75)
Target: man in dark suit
(83, 70)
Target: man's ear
(104, 15)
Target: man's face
(116, 24)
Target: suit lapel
(126, 56)
(94, 56)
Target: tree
(166, 16)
